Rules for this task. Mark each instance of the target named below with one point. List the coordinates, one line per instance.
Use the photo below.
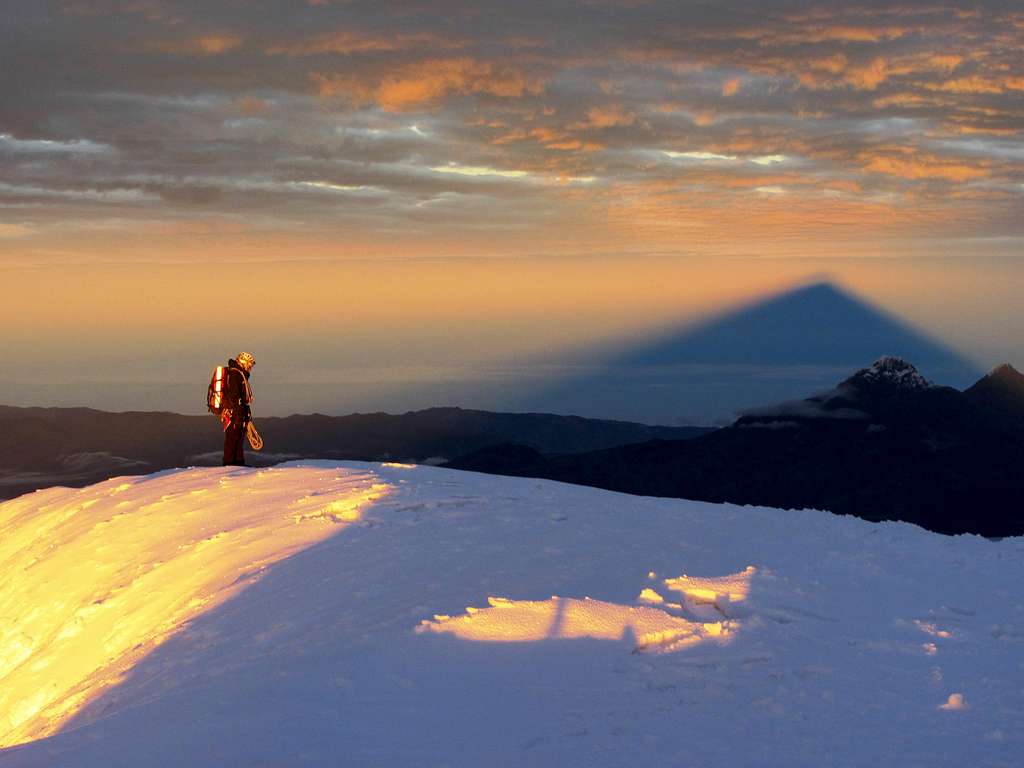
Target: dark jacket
(237, 394)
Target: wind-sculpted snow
(715, 636)
(653, 630)
(518, 621)
(94, 580)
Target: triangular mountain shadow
(777, 348)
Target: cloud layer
(613, 124)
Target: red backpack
(215, 392)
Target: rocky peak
(1005, 373)
(891, 373)
(1002, 389)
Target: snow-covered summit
(891, 373)
(325, 613)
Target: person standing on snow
(236, 413)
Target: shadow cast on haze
(776, 348)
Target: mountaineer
(230, 397)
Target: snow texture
(323, 613)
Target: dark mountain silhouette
(77, 446)
(779, 347)
(885, 444)
(1001, 392)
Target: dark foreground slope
(883, 445)
(40, 447)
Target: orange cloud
(427, 83)
(517, 134)
(565, 144)
(948, 61)
(731, 86)
(810, 33)
(851, 34)
(868, 76)
(204, 45)
(971, 84)
(352, 41)
(968, 129)
(337, 42)
(551, 139)
(546, 134)
(914, 167)
(605, 117)
(252, 106)
(585, 146)
(909, 100)
(834, 64)
(835, 72)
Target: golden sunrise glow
(485, 227)
(79, 612)
(385, 182)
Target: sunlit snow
(94, 580)
(653, 630)
(323, 613)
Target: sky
(374, 197)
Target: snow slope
(322, 613)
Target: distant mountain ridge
(885, 444)
(40, 447)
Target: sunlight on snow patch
(955, 701)
(931, 629)
(94, 579)
(520, 621)
(734, 587)
(653, 630)
(648, 595)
